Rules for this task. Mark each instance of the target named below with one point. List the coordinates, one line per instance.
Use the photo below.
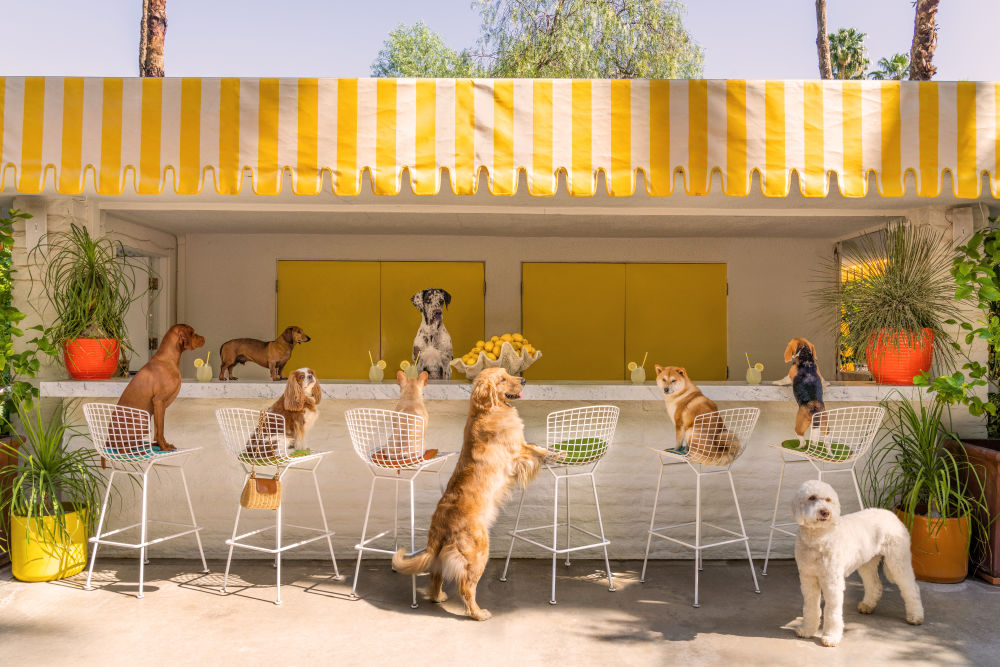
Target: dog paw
(866, 607)
(440, 597)
(915, 619)
(481, 615)
(805, 633)
(829, 640)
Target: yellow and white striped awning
(186, 135)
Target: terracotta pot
(91, 358)
(897, 364)
(939, 548)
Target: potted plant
(90, 288)
(53, 492)
(912, 472)
(977, 278)
(898, 302)
(15, 367)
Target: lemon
(492, 356)
(518, 338)
(507, 337)
(488, 347)
(517, 346)
(198, 363)
(480, 343)
(404, 364)
(632, 366)
(759, 366)
(494, 339)
(468, 360)
(381, 364)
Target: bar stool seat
(256, 440)
(836, 440)
(123, 436)
(578, 439)
(703, 456)
(391, 445)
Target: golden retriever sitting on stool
(494, 456)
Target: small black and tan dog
(807, 385)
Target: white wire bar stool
(726, 431)
(124, 437)
(578, 439)
(391, 444)
(836, 440)
(257, 440)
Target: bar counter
(626, 477)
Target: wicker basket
(512, 361)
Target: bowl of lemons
(512, 351)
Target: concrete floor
(184, 619)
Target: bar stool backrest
(720, 437)
(582, 433)
(844, 434)
(120, 433)
(386, 438)
(254, 437)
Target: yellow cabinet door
(575, 314)
(677, 313)
(465, 318)
(337, 305)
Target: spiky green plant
(905, 287)
(89, 285)
(48, 479)
(910, 469)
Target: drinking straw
(748, 359)
(643, 364)
(370, 358)
(207, 356)
(417, 358)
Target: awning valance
(186, 135)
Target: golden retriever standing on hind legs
(494, 456)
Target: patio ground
(185, 619)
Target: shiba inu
(708, 442)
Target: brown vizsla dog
(157, 384)
(272, 355)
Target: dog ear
(400, 378)
(317, 392)
(681, 371)
(288, 334)
(295, 397)
(658, 368)
(484, 392)
(812, 348)
(418, 300)
(423, 377)
(790, 350)
(183, 336)
(447, 298)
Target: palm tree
(848, 54)
(894, 68)
(822, 42)
(924, 40)
(152, 33)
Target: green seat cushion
(834, 452)
(581, 450)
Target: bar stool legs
(100, 527)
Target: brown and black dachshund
(271, 355)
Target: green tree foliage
(554, 38)
(587, 39)
(893, 68)
(848, 54)
(418, 51)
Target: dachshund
(271, 355)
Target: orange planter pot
(91, 358)
(940, 551)
(892, 364)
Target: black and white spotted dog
(432, 342)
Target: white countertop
(459, 391)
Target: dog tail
(414, 565)
(814, 406)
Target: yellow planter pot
(940, 550)
(34, 556)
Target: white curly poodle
(829, 547)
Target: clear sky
(742, 38)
